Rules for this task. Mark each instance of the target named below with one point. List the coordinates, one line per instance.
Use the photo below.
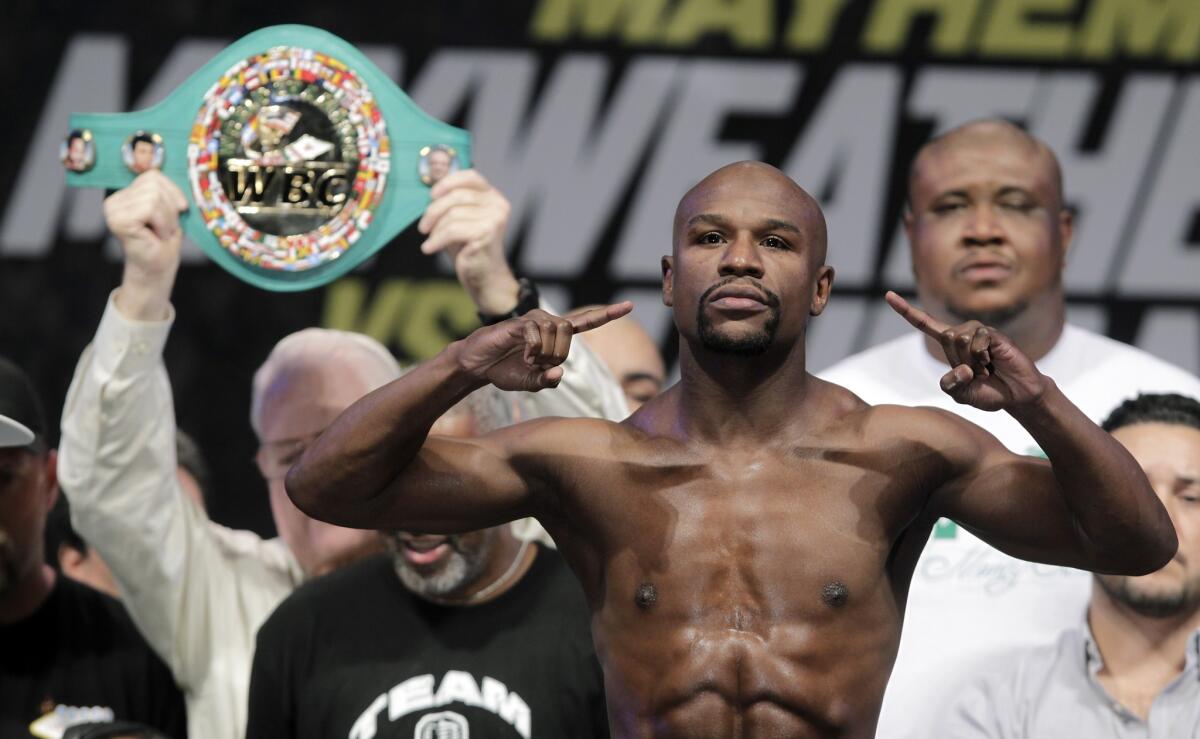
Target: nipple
(835, 594)
(646, 596)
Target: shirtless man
(745, 539)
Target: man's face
(297, 407)
(987, 229)
(143, 156)
(1170, 455)
(747, 262)
(27, 493)
(439, 165)
(440, 566)
(76, 153)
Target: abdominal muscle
(785, 680)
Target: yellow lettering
(299, 188)
(1141, 28)
(891, 21)
(811, 25)
(1011, 32)
(634, 21)
(417, 318)
(441, 312)
(346, 308)
(747, 23)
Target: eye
(1021, 205)
(774, 242)
(948, 207)
(712, 237)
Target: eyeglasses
(275, 458)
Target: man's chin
(994, 311)
(1157, 595)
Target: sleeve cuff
(124, 346)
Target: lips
(424, 550)
(739, 298)
(987, 269)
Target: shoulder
(1012, 684)
(1116, 359)
(97, 622)
(79, 600)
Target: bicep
(1010, 501)
(463, 484)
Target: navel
(646, 596)
(835, 594)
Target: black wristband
(527, 300)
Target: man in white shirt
(197, 590)
(989, 235)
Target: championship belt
(299, 157)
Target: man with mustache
(745, 539)
(989, 233)
(472, 634)
(1133, 668)
(69, 654)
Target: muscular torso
(752, 591)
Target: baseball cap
(13, 433)
(21, 414)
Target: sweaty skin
(745, 539)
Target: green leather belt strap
(299, 157)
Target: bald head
(796, 208)
(984, 134)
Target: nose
(741, 258)
(982, 227)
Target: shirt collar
(1093, 662)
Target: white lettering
(414, 694)
(91, 78)
(691, 147)
(458, 686)
(1103, 184)
(845, 164)
(367, 724)
(1164, 263)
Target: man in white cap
(68, 653)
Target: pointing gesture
(987, 370)
(525, 353)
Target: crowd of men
(529, 535)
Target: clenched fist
(145, 219)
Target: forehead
(749, 195)
(988, 164)
(306, 398)
(1156, 444)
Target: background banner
(594, 116)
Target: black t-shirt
(356, 655)
(78, 657)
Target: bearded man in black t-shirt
(69, 655)
(476, 634)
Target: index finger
(916, 317)
(469, 178)
(597, 317)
